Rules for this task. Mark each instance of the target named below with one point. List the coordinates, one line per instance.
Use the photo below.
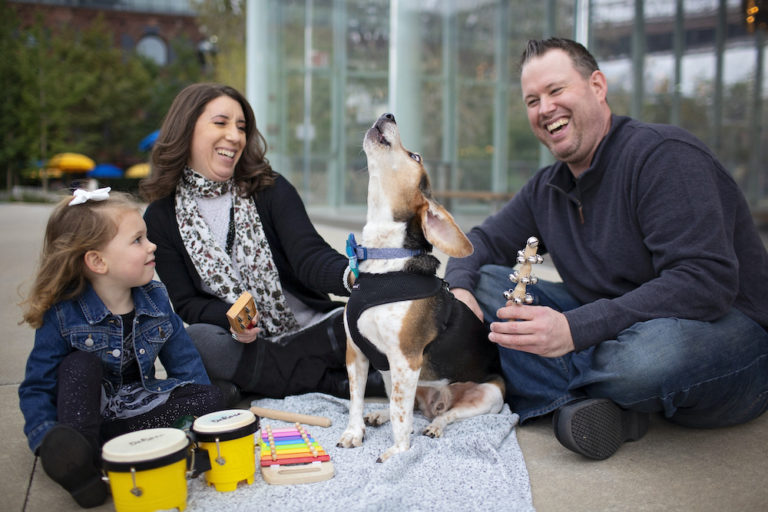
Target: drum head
(225, 425)
(145, 445)
(223, 421)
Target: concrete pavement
(671, 468)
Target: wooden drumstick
(291, 417)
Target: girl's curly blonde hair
(71, 232)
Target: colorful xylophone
(292, 456)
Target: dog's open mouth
(380, 137)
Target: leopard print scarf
(253, 270)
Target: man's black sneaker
(597, 427)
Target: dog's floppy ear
(443, 232)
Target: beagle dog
(433, 352)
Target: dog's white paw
(392, 450)
(351, 438)
(433, 430)
(377, 418)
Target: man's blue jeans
(699, 374)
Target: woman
(224, 223)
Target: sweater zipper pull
(581, 213)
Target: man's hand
(535, 329)
(467, 298)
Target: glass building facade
(319, 72)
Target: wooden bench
(496, 198)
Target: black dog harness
(375, 289)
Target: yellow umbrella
(71, 162)
(137, 171)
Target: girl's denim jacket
(86, 324)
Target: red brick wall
(133, 24)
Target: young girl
(101, 323)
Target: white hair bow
(82, 196)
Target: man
(664, 301)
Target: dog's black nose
(388, 117)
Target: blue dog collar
(358, 253)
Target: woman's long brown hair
(171, 151)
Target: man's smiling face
(567, 112)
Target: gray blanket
(476, 465)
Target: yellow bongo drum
(228, 438)
(147, 469)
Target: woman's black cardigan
(308, 267)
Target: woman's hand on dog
(535, 329)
